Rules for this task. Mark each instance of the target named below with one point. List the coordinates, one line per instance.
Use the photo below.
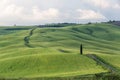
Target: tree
(81, 49)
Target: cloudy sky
(30, 12)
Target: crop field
(31, 51)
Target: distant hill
(115, 22)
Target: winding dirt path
(102, 63)
(27, 38)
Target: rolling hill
(30, 52)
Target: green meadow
(31, 51)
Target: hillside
(54, 52)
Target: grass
(55, 51)
(113, 60)
(47, 65)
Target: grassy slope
(55, 52)
(96, 38)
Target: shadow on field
(64, 51)
(17, 29)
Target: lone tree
(81, 49)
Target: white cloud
(100, 3)
(116, 6)
(11, 13)
(104, 4)
(11, 10)
(89, 14)
(40, 15)
(3, 3)
(44, 11)
(51, 13)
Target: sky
(35, 12)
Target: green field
(30, 51)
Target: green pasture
(54, 52)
